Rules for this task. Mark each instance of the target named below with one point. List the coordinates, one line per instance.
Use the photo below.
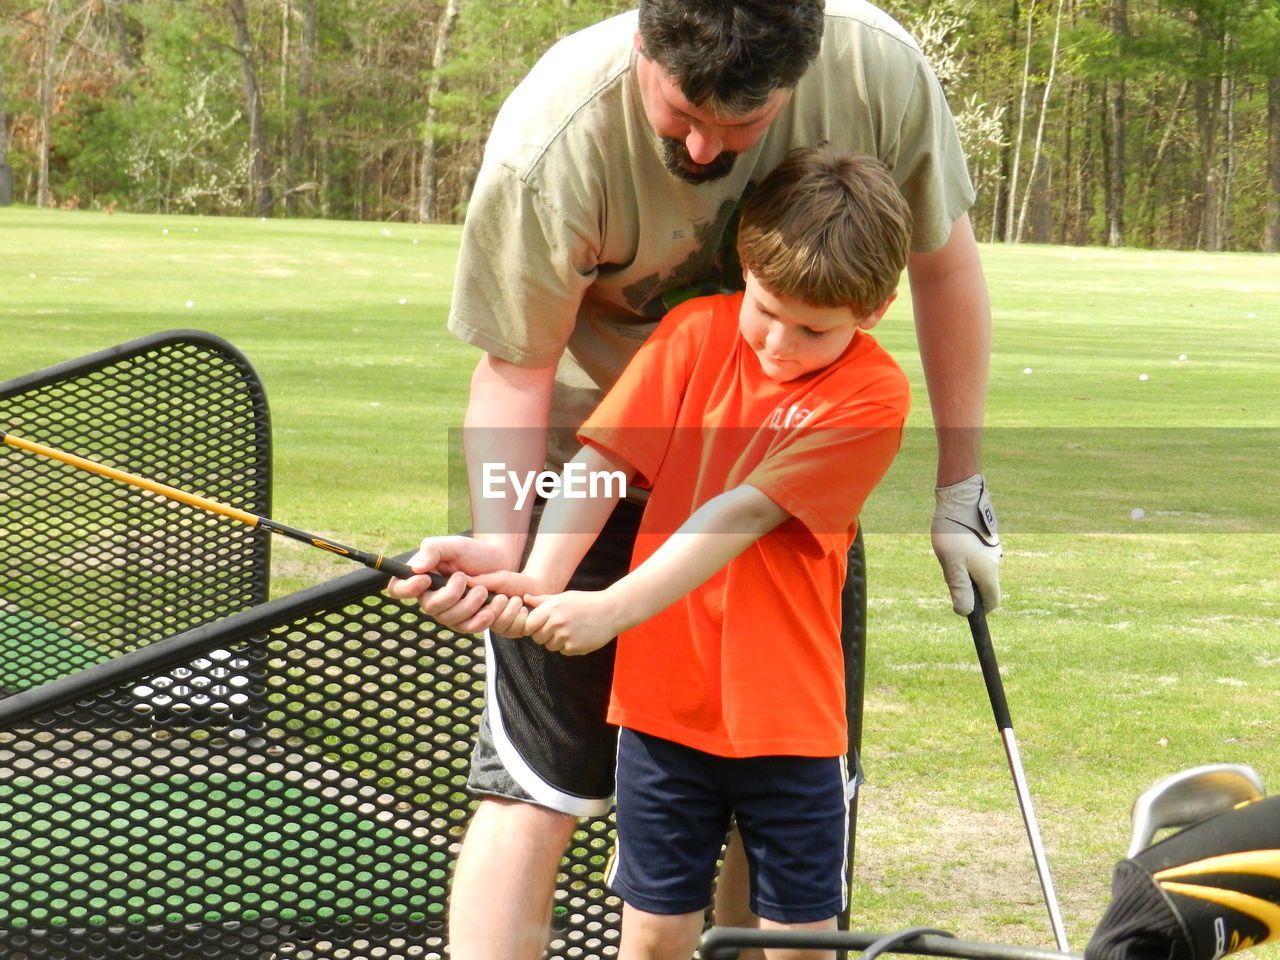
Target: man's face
(698, 144)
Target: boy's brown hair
(829, 229)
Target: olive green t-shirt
(577, 239)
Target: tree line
(1122, 122)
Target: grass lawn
(1132, 644)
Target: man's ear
(639, 43)
(875, 316)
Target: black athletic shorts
(674, 807)
(543, 736)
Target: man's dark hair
(730, 55)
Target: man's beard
(676, 157)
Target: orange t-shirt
(749, 663)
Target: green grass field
(1131, 646)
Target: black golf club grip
(987, 661)
(402, 571)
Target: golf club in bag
(1209, 890)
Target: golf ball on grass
(1137, 513)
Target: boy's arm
(570, 526)
(568, 529)
(719, 530)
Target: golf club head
(1191, 796)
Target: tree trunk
(1153, 167)
(1114, 160)
(1272, 244)
(427, 175)
(48, 66)
(1208, 100)
(302, 116)
(6, 172)
(120, 29)
(259, 158)
(1227, 161)
(1039, 177)
(1012, 202)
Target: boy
(762, 421)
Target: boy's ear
(874, 317)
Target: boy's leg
(733, 893)
(504, 880)
(732, 889)
(671, 821)
(793, 815)
(656, 936)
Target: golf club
(373, 560)
(725, 943)
(1188, 797)
(1000, 707)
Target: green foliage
(494, 45)
(161, 123)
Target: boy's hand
(507, 606)
(572, 623)
(511, 584)
(510, 615)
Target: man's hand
(572, 623)
(967, 543)
(461, 604)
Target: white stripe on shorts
(850, 792)
(540, 792)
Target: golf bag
(1207, 891)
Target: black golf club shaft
(374, 560)
(1000, 708)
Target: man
(609, 192)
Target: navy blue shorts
(674, 806)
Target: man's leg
(543, 747)
(504, 880)
(655, 936)
(780, 953)
(733, 893)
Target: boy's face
(790, 337)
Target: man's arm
(953, 327)
(505, 422)
(719, 530)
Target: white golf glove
(967, 543)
